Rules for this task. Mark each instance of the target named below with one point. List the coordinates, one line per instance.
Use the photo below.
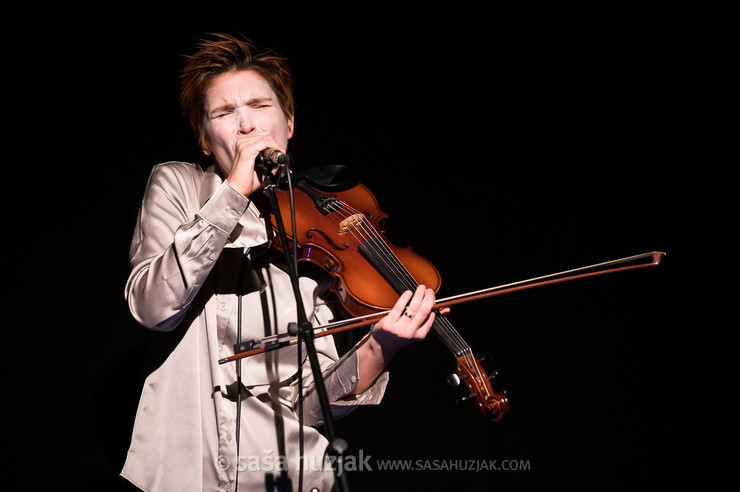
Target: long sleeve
(176, 242)
(190, 271)
(340, 376)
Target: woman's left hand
(409, 321)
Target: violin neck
(374, 250)
(448, 335)
(376, 253)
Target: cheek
(219, 136)
(219, 148)
(283, 132)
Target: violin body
(332, 243)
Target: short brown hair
(227, 53)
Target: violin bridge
(351, 223)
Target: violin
(343, 232)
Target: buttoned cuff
(339, 381)
(224, 208)
(347, 376)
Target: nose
(246, 124)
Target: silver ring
(408, 315)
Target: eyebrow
(256, 100)
(250, 102)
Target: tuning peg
(470, 397)
(454, 380)
(493, 375)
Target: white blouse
(195, 268)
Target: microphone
(272, 158)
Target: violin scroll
(492, 405)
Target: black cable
(239, 370)
(299, 351)
(304, 329)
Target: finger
(425, 315)
(415, 303)
(428, 300)
(400, 307)
(424, 302)
(425, 327)
(249, 145)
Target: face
(239, 103)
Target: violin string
(444, 327)
(383, 252)
(390, 261)
(366, 231)
(448, 331)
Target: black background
(502, 145)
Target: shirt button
(224, 307)
(228, 436)
(353, 378)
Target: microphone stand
(303, 329)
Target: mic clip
(271, 158)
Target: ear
(204, 144)
(291, 126)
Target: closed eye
(260, 103)
(229, 109)
(221, 112)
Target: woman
(203, 279)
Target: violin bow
(274, 342)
